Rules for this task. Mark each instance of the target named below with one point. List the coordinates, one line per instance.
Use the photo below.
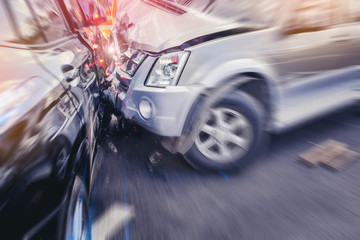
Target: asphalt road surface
(276, 198)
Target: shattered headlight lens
(131, 60)
(167, 69)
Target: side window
(353, 11)
(38, 21)
(7, 33)
(50, 19)
(309, 15)
(75, 13)
(26, 23)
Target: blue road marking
(127, 231)
(224, 176)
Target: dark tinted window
(316, 15)
(309, 15)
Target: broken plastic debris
(112, 147)
(155, 157)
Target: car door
(67, 56)
(306, 43)
(73, 52)
(61, 52)
(41, 131)
(89, 75)
(310, 60)
(347, 18)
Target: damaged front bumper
(162, 111)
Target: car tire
(77, 220)
(231, 136)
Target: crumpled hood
(149, 28)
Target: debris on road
(314, 155)
(112, 147)
(330, 153)
(153, 165)
(155, 157)
(342, 160)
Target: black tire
(76, 219)
(239, 104)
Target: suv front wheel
(230, 136)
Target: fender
(228, 71)
(217, 85)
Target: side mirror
(98, 16)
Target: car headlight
(167, 69)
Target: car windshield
(260, 11)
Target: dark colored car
(50, 116)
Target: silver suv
(212, 77)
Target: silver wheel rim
(226, 136)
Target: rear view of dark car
(49, 117)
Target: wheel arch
(259, 88)
(256, 71)
(243, 75)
